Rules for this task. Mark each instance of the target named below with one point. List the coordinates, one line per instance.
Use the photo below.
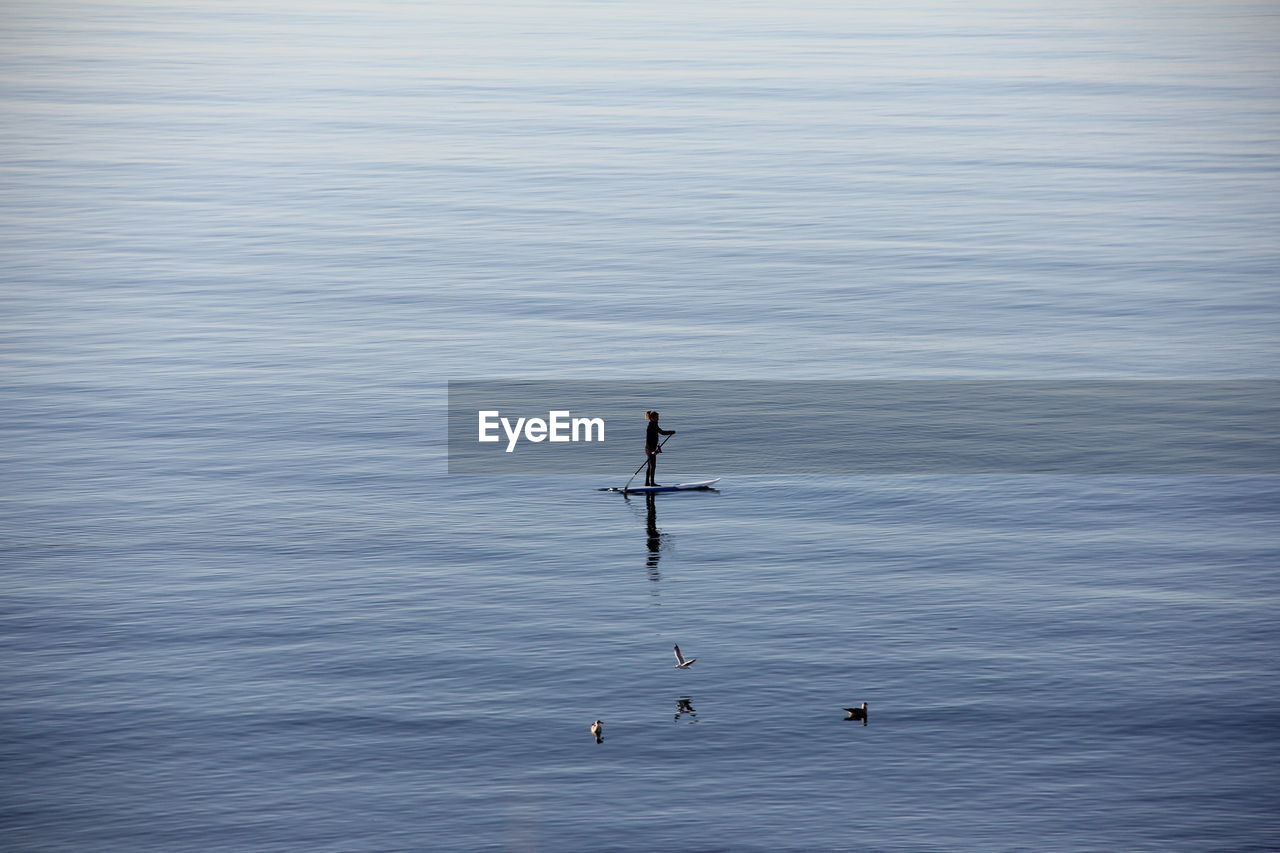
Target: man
(652, 445)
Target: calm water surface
(247, 243)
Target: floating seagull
(857, 713)
(681, 661)
(597, 729)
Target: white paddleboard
(703, 484)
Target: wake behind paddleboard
(702, 484)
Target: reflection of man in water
(654, 539)
(652, 445)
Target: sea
(248, 243)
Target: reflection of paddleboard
(704, 484)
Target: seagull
(857, 713)
(681, 661)
(597, 729)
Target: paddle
(633, 475)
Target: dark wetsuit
(651, 443)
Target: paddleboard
(703, 484)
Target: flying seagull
(857, 713)
(681, 661)
(597, 729)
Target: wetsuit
(651, 443)
(651, 440)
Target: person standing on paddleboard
(652, 445)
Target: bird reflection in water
(859, 713)
(684, 708)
